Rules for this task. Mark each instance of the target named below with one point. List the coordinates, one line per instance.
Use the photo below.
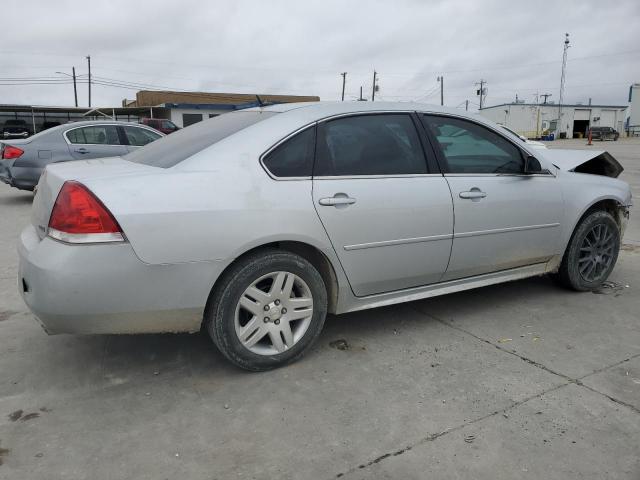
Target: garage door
(607, 118)
(582, 114)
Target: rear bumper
(23, 178)
(105, 288)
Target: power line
(331, 71)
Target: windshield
(182, 144)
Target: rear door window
(380, 144)
(139, 137)
(94, 135)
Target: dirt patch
(611, 288)
(15, 416)
(6, 314)
(29, 416)
(20, 415)
(340, 344)
(3, 453)
(628, 247)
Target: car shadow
(17, 198)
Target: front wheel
(592, 252)
(268, 310)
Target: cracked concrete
(522, 380)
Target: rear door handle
(474, 194)
(336, 200)
(81, 150)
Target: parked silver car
(23, 160)
(255, 224)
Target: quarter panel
(191, 216)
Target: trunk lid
(56, 174)
(594, 162)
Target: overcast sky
(300, 47)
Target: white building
(533, 120)
(633, 121)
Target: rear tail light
(78, 216)
(10, 152)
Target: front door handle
(337, 200)
(82, 150)
(474, 194)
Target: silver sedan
(22, 161)
(255, 224)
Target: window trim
(283, 140)
(416, 124)
(101, 124)
(444, 165)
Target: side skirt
(459, 285)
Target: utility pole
(545, 95)
(89, 64)
(75, 89)
(441, 80)
(562, 78)
(481, 91)
(373, 90)
(466, 106)
(344, 81)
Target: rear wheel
(268, 310)
(592, 252)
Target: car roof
(326, 109)
(85, 123)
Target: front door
(95, 141)
(503, 218)
(389, 218)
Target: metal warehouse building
(633, 121)
(534, 120)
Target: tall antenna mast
(564, 67)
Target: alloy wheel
(596, 253)
(273, 313)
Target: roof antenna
(263, 103)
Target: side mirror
(532, 165)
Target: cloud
(301, 48)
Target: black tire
(221, 309)
(569, 273)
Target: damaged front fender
(584, 161)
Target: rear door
(504, 218)
(94, 141)
(389, 217)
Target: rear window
(173, 149)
